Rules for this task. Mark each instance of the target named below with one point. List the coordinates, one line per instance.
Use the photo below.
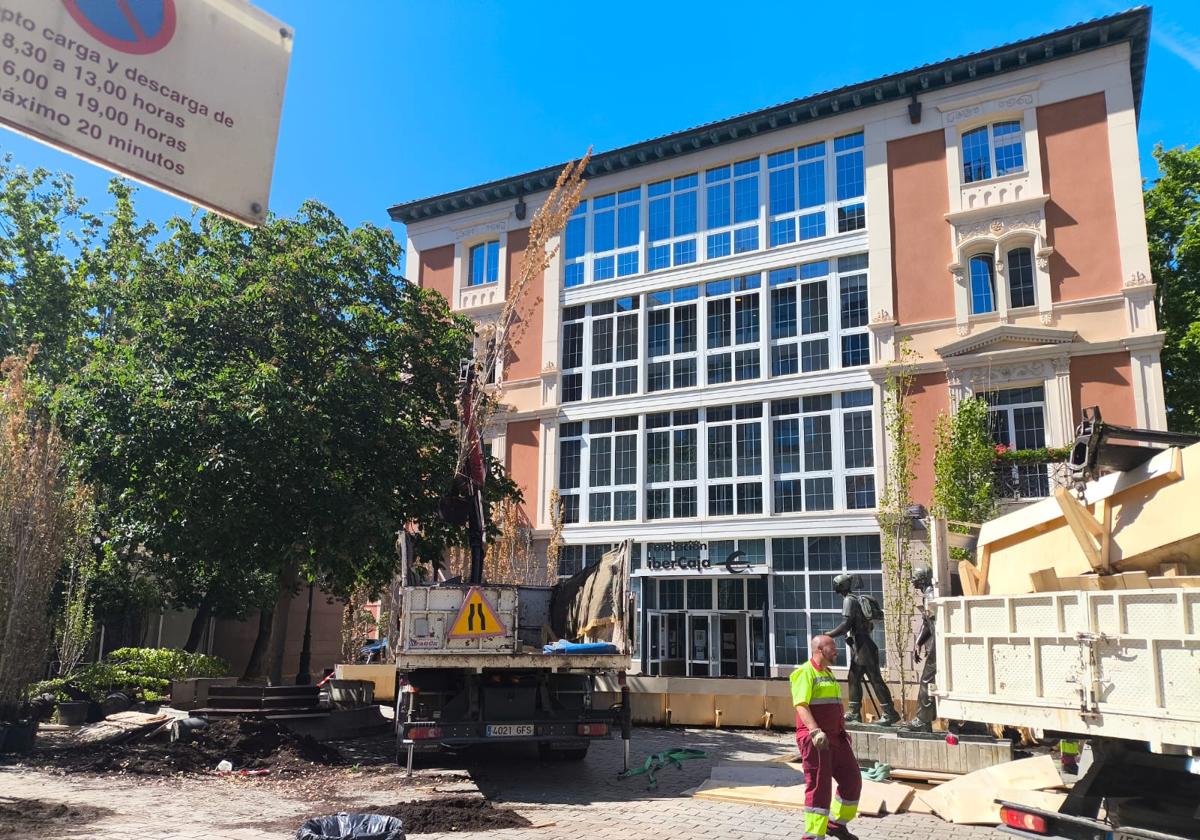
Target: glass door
(654, 643)
(699, 645)
(758, 647)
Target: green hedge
(146, 672)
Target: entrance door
(758, 647)
(730, 631)
(675, 645)
(699, 645)
(654, 643)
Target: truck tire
(548, 753)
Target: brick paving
(564, 800)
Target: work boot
(889, 717)
(853, 713)
(917, 725)
(840, 831)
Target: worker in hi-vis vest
(824, 745)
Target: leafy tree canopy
(1173, 225)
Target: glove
(916, 657)
(819, 739)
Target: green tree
(44, 293)
(1173, 226)
(265, 402)
(964, 464)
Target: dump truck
(481, 663)
(1080, 619)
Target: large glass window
(802, 446)
(575, 247)
(614, 346)
(673, 223)
(600, 340)
(616, 234)
(731, 198)
(997, 148)
(671, 340)
(735, 462)
(804, 337)
(814, 189)
(672, 464)
(802, 582)
(1017, 417)
(485, 263)
(612, 446)
(570, 469)
(732, 323)
(574, 326)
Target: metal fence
(1017, 483)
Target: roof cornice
(1132, 26)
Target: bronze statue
(922, 581)
(859, 612)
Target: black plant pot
(73, 713)
(19, 737)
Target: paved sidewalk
(564, 800)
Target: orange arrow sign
(476, 619)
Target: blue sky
(389, 101)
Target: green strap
(657, 761)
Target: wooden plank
(1190, 582)
(881, 798)
(923, 775)
(1085, 528)
(1104, 514)
(966, 576)
(1044, 580)
(1173, 569)
(1134, 580)
(985, 566)
(969, 799)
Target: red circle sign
(137, 27)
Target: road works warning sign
(184, 95)
(476, 619)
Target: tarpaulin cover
(591, 606)
(351, 827)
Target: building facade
(700, 369)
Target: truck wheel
(546, 753)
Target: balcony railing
(1029, 479)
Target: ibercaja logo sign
(694, 556)
(136, 27)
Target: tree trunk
(199, 621)
(256, 665)
(279, 628)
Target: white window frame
(990, 133)
(715, 180)
(736, 425)
(672, 483)
(654, 302)
(674, 191)
(744, 288)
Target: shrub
(145, 672)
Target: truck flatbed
(477, 661)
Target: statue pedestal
(926, 751)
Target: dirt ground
(37, 818)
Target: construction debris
(970, 798)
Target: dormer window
(983, 284)
(996, 148)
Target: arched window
(1020, 278)
(983, 284)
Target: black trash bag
(351, 827)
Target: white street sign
(184, 95)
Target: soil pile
(35, 817)
(247, 743)
(433, 816)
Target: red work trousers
(821, 769)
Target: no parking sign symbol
(137, 27)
